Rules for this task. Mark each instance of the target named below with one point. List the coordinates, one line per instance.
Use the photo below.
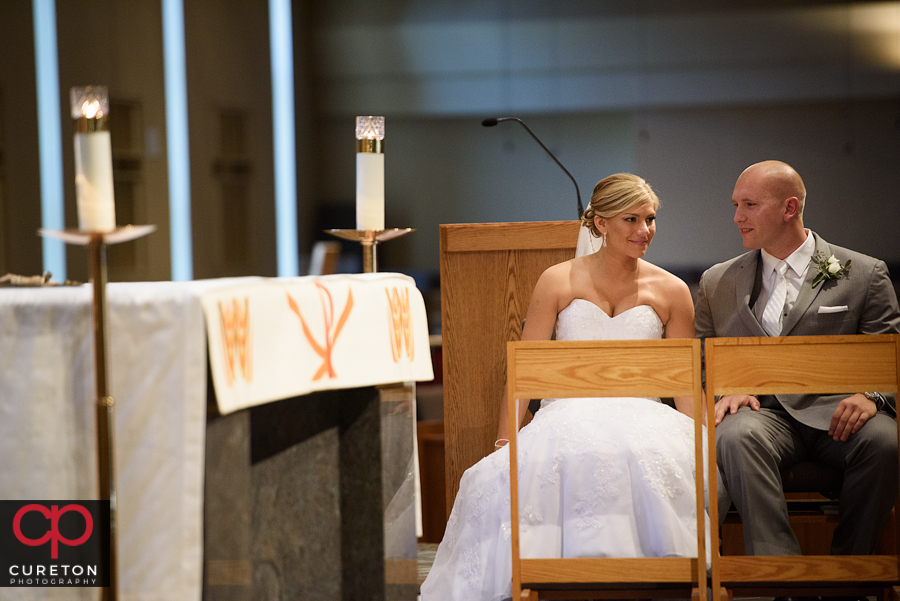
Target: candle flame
(91, 109)
(89, 102)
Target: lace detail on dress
(663, 475)
(480, 501)
(603, 489)
(549, 476)
(451, 531)
(506, 528)
(531, 516)
(471, 566)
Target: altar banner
(272, 339)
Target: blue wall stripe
(282, 57)
(53, 214)
(180, 241)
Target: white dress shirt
(798, 264)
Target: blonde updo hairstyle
(614, 194)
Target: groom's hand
(728, 405)
(851, 414)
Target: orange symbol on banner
(235, 321)
(401, 324)
(326, 349)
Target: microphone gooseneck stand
(495, 120)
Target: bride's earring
(603, 240)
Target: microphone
(495, 120)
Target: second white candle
(369, 191)
(94, 182)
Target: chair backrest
(802, 364)
(629, 368)
(798, 365)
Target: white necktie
(771, 319)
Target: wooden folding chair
(625, 368)
(799, 365)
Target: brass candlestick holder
(97, 243)
(369, 240)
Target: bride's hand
(731, 403)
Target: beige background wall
(455, 170)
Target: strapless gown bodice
(583, 320)
(608, 477)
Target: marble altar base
(312, 498)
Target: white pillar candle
(369, 191)
(93, 159)
(94, 182)
(370, 173)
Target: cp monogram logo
(53, 534)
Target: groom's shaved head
(780, 180)
(768, 202)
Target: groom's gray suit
(754, 446)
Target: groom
(769, 291)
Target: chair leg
(724, 594)
(529, 595)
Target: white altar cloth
(157, 363)
(157, 376)
(280, 338)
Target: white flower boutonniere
(828, 269)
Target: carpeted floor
(426, 559)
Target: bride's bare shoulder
(666, 282)
(660, 275)
(557, 280)
(563, 271)
(568, 273)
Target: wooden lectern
(488, 271)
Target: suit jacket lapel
(807, 294)
(743, 288)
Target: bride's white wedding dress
(610, 477)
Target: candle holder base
(124, 233)
(369, 240)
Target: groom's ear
(791, 208)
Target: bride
(609, 477)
